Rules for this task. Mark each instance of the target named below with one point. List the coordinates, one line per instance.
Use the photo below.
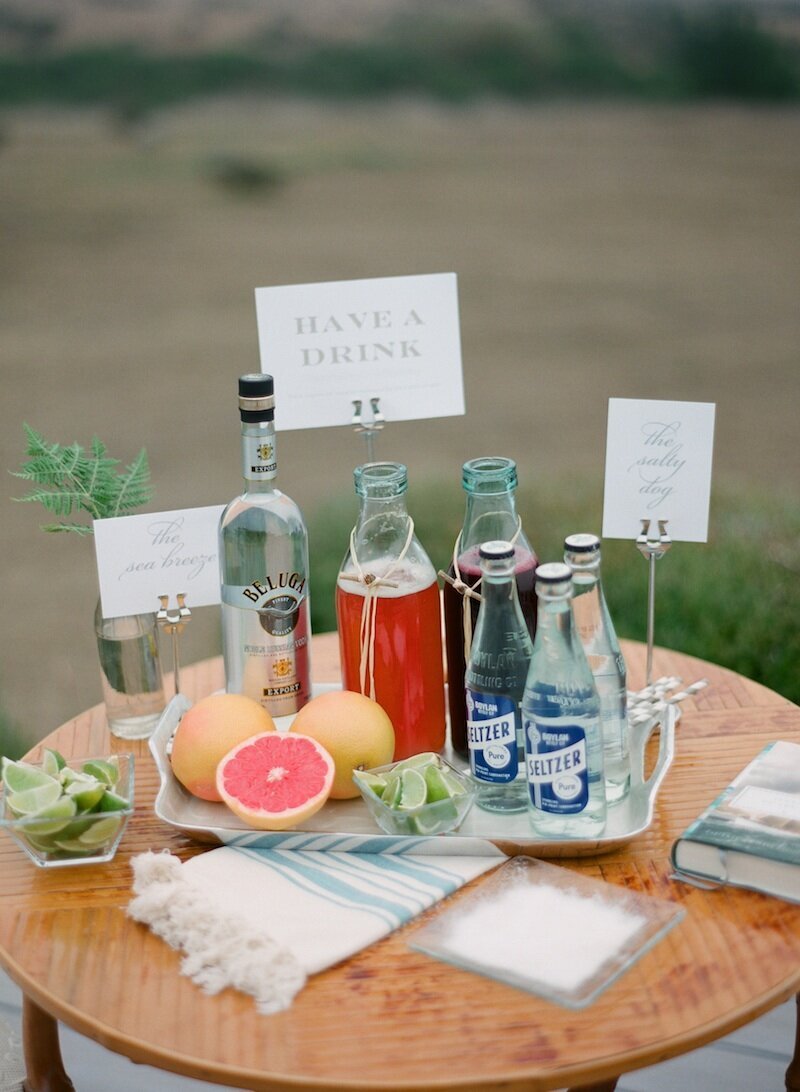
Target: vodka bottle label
(272, 666)
(492, 737)
(276, 605)
(557, 767)
(258, 459)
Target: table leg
(599, 1086)
(793, 1072)
(44, 1068)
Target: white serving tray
(346, 825)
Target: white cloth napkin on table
(261, 920)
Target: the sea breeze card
(658, 466)
(392, 338)
(142, 557)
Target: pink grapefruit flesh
(274, 781)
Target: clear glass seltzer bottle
(599, 639)
(490, 514)
(561, 720)
(263, 547)
(495, 682)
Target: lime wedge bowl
(420, 796)
(63, 812)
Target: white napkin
(261, 920)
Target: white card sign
(142, 557)
(392, 338)
(658, 466)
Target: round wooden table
(391, 1018)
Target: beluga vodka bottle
(263, 547)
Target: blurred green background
(616, 184)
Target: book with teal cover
(750, 835)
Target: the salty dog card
(142, 557)
(329, 345)
(658, 467)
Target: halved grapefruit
(206, 733)
(274, 781)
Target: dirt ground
(601, 251)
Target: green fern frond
(71, 479)
(38, 469)
(59, 502)
(134, 485)
(37, 445)
(78, 528)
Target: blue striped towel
(261, 920)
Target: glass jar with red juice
(388, 613)
(490, 484)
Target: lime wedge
(52, 819)
(19, 777)
(436, 819)
(86, 794)
(68, 775)
(53, 762)
(414, 789)
(438, 788)
(73, 846)
(416, 762)
(31, 801)
(392, 792)
(43, 844)
(100, 832)
(76, 827)
(375, 782)
(104, 770)
(112, 801)
(455, 786)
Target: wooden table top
(391, 1018)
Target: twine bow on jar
(469, 591)
(369, 609)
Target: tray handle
(161, 739)
(640, 734)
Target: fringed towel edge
(220, 949)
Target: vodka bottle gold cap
(256, 397)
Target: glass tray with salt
(548, 930)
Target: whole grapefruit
(275, 780)
(207, 732)
(354, 730)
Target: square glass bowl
(422, 795)
(543, 928)
(84, 823)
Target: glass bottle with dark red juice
(388, 615)
(491, 513)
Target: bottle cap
(581, 544)
(256, 397)
(496, 551)
(553, 572)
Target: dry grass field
(601, 251)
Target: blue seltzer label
(556, 767)
(492, 736)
